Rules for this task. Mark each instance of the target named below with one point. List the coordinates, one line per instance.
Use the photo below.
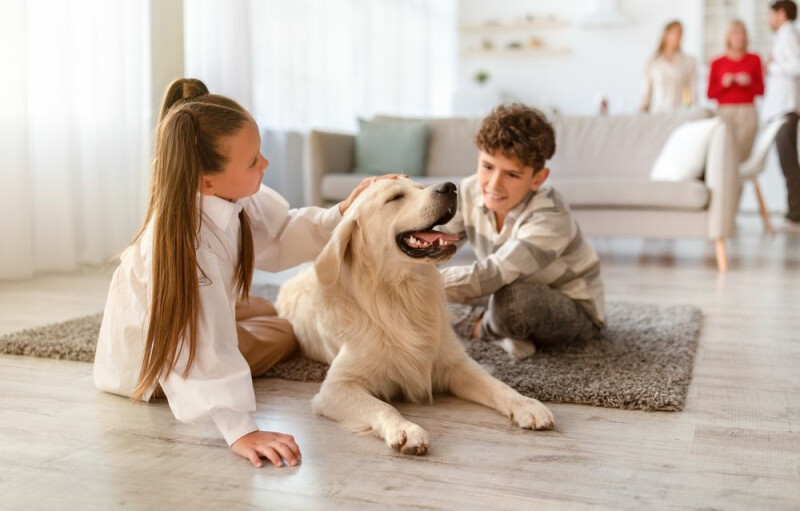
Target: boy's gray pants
(538, 313)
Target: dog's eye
(395, 197)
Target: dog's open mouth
(428, 242)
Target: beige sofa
(602, 167)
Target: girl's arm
(219, 385)
(284, 237)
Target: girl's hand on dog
(363, 186)
(276, 447)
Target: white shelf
(516, 26)
(506, 52)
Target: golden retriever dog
(373, 307)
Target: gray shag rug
(643, 361)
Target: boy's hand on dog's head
(363, 186)
(276, 447)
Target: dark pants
(786, 142)
(537, 313)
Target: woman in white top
(669, 77)
(172, 321)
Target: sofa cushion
(614, 146)
(683, 156)
(385, 147)
(621, 193)
(451, 149)
(336, 187)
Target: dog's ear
(329, 261)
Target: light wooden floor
(63, 445)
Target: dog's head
(391, 224)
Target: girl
(735, 79)
(172, 322)
(669, 76)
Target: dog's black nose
(446, 188)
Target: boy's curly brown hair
(520, 132)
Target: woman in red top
(735, 79)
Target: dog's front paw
(408, 438)
(529, 413)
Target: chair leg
(762, 208)
(722, 258)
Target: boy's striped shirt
(540, 243)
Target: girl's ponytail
(174, 301)
(182, 89)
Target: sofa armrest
(722, 179)
(326, 153)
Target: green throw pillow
(384, 147)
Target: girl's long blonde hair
(188, 145)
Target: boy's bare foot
(476, 330)
(518, 348)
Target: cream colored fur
(377, 316)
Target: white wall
(607, 61)
(601, 61)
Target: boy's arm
(538, 243)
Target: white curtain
(322, 63)
(73, 132)
(301, 64)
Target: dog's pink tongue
(433, 236)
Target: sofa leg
(762, 208)
(722, 258)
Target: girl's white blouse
(219, 386)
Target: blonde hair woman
(734, 81)
(669, 77)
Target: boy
(541, 277)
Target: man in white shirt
(782, 98)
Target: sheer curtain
(300, 64)
(322, 63)
(73, 133)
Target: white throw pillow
(683, 157)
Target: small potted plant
(481, 77)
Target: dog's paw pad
(529, 413)
(409, 438)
